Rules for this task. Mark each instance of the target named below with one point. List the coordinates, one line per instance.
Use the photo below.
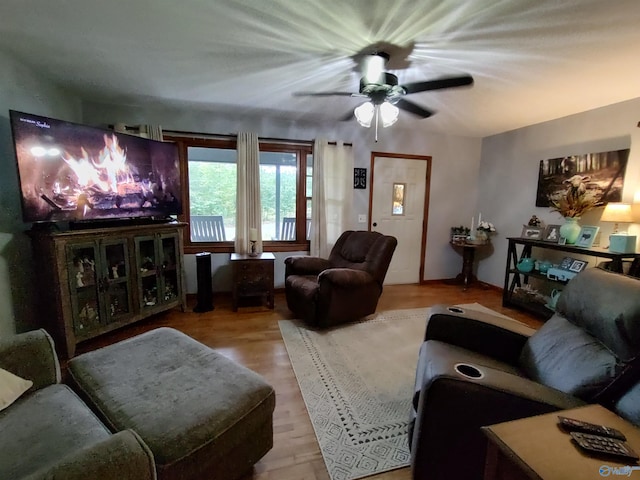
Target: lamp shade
(388, 114)
(617, 212)
(364, 114)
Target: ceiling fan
(385, 95)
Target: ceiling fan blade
(413, 108)
(448, 82)
(323, 94)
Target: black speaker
(205, 288)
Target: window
(284, 193)
(211, 176)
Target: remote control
(574, 425)
(604, 446)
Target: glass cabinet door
(84, 287)
(115, 281)
(148, 279)
(170, 276)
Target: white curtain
(332, 195)
(248, 208)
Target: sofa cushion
(11, 388)
(42, 427)
(564, 356)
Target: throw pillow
(11, 387)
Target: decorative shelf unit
(92, 281)
(515, 279)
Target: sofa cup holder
(468, 371)
(455, 309)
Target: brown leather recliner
(344, 287)
(476, 369)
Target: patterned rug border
(350, 449)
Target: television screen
(72, 172)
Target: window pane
(212, 193)
(278, 195)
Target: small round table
(466, 276)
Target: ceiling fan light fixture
(388, 114)
(374, 69)
(364, 114)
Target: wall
(455, 169)
(509, 172)
(24, 90)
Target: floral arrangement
(485, 226)
(572, 206)
(575, 201)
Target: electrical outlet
(362, 218)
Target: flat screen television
(78, 173)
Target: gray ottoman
(201, 414)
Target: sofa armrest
(122, 456)
(484, 333)
(32, 356)
(346, 277)
(451, 411)
(305, 265)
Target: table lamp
(617, 212)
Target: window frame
(302, 149)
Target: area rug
(357, 382)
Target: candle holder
(252, 249)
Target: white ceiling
(532, 60)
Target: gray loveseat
(50, 433)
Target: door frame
(427, 188)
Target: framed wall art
(601, 173)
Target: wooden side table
(536, 447)
(466, 277)
(252, 277)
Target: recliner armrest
(346, 277)
(122, 456)
(484, 333)
(305, 265)
(32, 356)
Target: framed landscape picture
(602, 174)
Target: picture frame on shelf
(562, 241)
(566, 263)
(531, 233)
(587, 236)
(552, 234)
(577, 266)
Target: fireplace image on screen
(72, 172)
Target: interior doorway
(398, 202)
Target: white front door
(398, 201)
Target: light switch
(362, 218)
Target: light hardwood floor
(251, 336)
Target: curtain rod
(264, 139)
